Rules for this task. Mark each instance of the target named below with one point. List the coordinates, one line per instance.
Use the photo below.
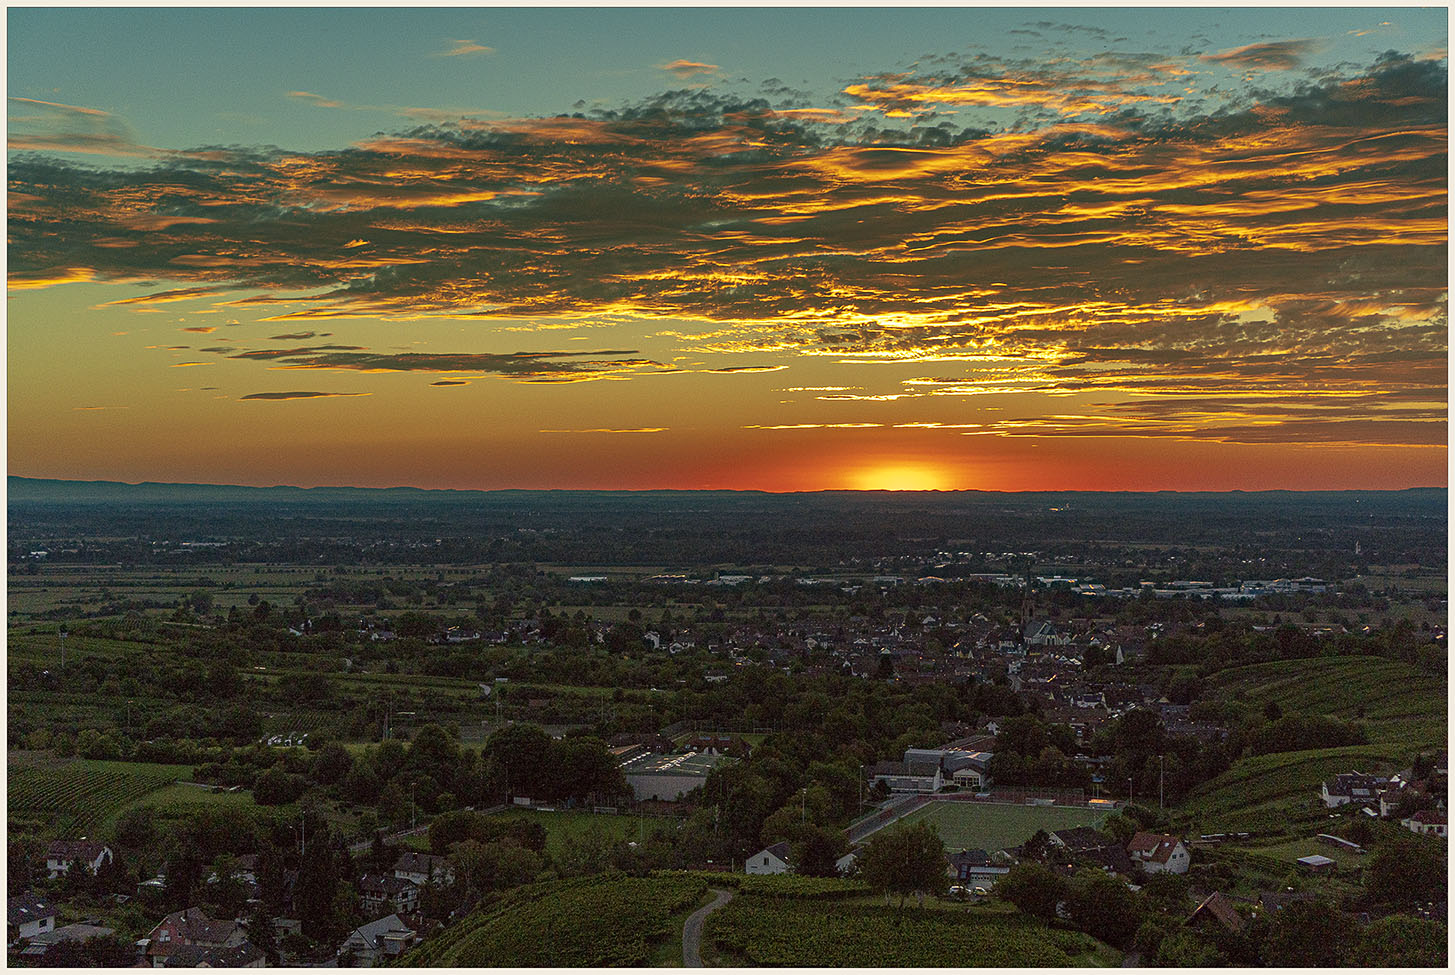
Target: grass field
(560, 826)
(996, 826)
(77, 797)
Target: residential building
(1427, 822)
(43, 943)
(379, 892)
(773, 859)
(1159, 853)
(424, 868)
(63, 854)
(976, 868)
(27, 916)
(243, 955)
(190, 928)
(385, 938)
(1353, 787)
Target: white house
(773, 859)
(63, 853)
(424, 868)
(1159, 853)
(27, 916)
(384, 938)
(1352, 787)
(1427, 822)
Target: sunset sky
(795, 249)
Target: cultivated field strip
(79, 796)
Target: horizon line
(663, 490)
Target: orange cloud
(685, 69)
(460, 48)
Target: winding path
(692, 930)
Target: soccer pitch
(997, 826)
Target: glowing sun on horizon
(902, 477)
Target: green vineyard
(1396, 702)
(593, 922)
(76, 798)
(756, 931)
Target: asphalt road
(692, 930)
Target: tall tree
(905, 860)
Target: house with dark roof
(63, 854)
(43, 943)
(772, 859)
(1427, 822)
(379, 892)
(1159, 853)
(243, 955)
(975, 868)
(385, 938)
(187, 929)
(1217, 909)
(1356, 787)
(1091, 847)
(424, 868)
(28, 915)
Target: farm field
(76, 797)
(996, 826)
(1397, 702)
(762, 931)
(588, 922)
(1266, 792)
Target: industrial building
(668, 777)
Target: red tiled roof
(1156, 847)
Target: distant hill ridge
(48, 490)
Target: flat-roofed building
(668, 777)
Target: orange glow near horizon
(903, 477)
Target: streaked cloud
(1270, 56)
(813, 426)
(35, 125)
(685, 69)
(296, 395)
(744, 369)
(1118, 238)
(461, 48)
(613, 430)
(317, 100)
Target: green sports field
(996, 826)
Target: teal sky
(181, 78)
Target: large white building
(668, 777)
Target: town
(353, 760)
